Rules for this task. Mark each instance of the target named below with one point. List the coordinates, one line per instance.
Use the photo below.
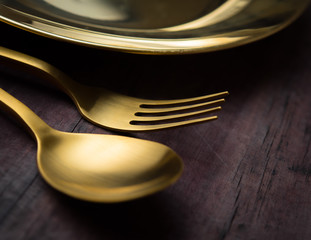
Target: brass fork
(119, 112)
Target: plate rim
(139, 45)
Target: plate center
(135, 14)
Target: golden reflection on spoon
(95, 167)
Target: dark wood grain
(247, 175)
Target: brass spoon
(95, 167)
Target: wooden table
(247, 175)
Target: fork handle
(39, 68)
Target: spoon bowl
(95, 167)
(105, 168)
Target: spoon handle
(40, 68)
(34, 123)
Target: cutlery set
(106, 168)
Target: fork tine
(146, 111)
(177, 117)
(175, 124)
(152, 103)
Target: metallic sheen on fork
(119, 112)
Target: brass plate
(153, 26)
